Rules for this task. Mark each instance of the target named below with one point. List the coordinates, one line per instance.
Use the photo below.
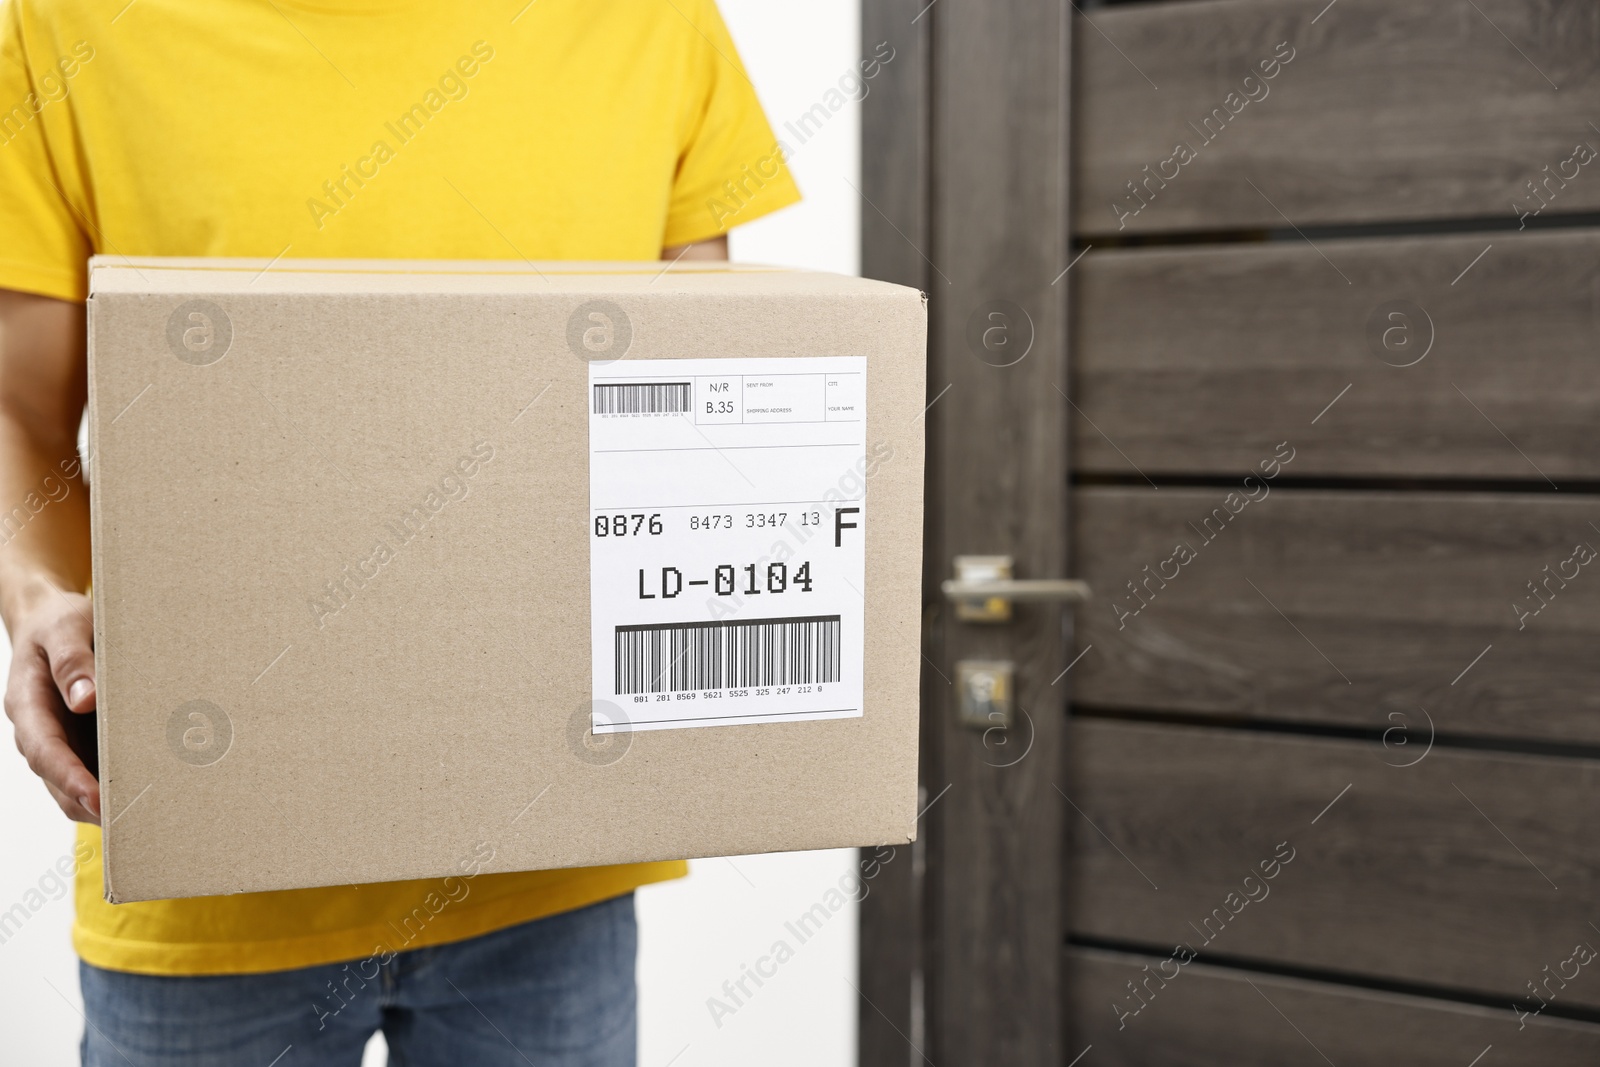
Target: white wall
(698, 933)
(796, 54)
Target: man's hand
(44, 551)
(716, 248)
(52, 680)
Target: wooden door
(964, 179)
(1322, 782)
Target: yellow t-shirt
(538, 129)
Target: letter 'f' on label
(840, 526)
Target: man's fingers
(69, 782)
(69, 648)
(76, 809)
(48, 664)
(43, 744)
(42, 740)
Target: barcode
(683, 657)
(642, 398)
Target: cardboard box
(346, 622)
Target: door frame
(965, 196)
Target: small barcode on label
(642, 398)
(683, 657)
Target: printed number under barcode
(684, 657)
(642, 398)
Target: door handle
(984, 590)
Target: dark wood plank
(1417, 110)
(894, 143)
(1199, 360)
(1468, 871)
(1212, 1017)
(894, 225)
(1349, 608)
(995, 847)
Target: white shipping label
(727, 559)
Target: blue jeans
(556, 992)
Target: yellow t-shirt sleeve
(44, 248)
(732, 169)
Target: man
(540, 129)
